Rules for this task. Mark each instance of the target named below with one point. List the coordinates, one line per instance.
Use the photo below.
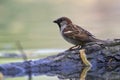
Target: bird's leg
(84, 57)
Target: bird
(73, 33)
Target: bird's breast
(71, 40)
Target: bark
(104, 56)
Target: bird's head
(62, 21)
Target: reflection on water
(74, 73)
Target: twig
(20, 48)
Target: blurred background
(31, 22)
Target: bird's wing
(84, 31)
(76, 32)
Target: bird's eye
(60, 20)
(63, 19)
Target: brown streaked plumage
(73, 33)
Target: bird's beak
(55, 21)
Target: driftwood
(68, 64)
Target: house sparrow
(76, 35)
(73, 33)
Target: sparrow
(73, 33)
(76, 35)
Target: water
(30, 53)
(84, 74)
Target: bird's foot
(84, 57)
(74, 47)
